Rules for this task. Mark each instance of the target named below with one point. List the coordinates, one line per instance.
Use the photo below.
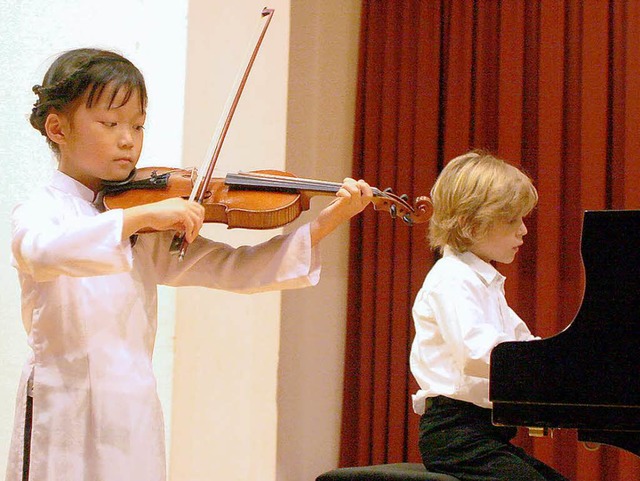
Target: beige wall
(322, 89)
(257, 386)
(224, 424)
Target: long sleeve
(283, 262)
(50, 239)
(469, 324)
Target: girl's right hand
(170, 214)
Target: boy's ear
(56, 127)
(467, 228)
(463, 222)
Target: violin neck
(284, 183)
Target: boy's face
(501, 242)
(102, 143)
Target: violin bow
(179, 244)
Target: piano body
(586, 377)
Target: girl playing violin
(87, 406)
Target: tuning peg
(388, 190)
(405, 197)
(393, 211)
(407, 219)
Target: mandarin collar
(71, 186)
(485, 270)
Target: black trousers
(457, 438)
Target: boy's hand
(170, 214)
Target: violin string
(272, 180)
(298, 182)
(294, 182)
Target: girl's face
(501, 242)
(102, 143)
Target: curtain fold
(550, 85)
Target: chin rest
(385, 472)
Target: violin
(263, 199)
(253, 200)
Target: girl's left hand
(354, 196)
(351, 199)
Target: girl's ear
(56, 127)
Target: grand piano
(586, 377)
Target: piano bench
(385, 472)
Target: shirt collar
(484, 270)
(69, 185)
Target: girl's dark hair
(85, 70)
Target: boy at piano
(461, 313)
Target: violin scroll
(398, 206)
(424, 208)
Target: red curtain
(550, 85)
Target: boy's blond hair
(472, 192)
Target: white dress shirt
(89, 306)
(460, 314)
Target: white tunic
(460, 314)
(89, 306)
